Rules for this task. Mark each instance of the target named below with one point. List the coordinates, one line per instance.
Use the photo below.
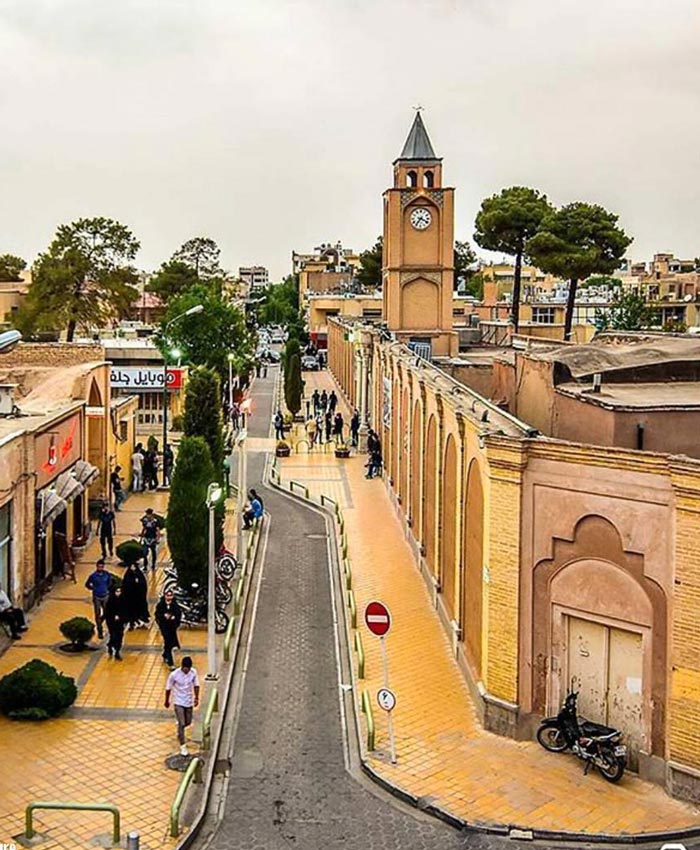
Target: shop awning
(52, 505)
(68, 487)
(85, 473)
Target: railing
(72, 807)
(238, 597)
(348, 574)
(360, 650)
(292, 484)
(193, 773)
(212, 706)
(326, 500)
(367, 710)
(228, 637)
(353, 609)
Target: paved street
(289, 786)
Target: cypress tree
(188, 521)
(292, 384)
(203, 415)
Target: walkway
(288, 785)
(443, 753)
(112, 744)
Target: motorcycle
(193, 605)
(595, 744)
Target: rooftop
(679, 395)
(418, 145)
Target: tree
(505, 223)
(203, 416)
(464, 258)
(575, 242)
(83, 278)
(281, 303)
(188, 526)
(601, 280)
(202, 255)
(205, 338)
(11, 267)
(628, 312)
(291, 347)
(172, 279)
(292, 384)
(369, 275)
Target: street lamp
(231, 358)
(242, 477)
(191, 312)
(214, 493)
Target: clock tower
(418, 261)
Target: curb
(500, 829)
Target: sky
(271, 125)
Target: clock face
(421, 218)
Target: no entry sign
(377, 618)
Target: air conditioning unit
(7, 399)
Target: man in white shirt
(184, 685)
(14, 617)
(137, 469)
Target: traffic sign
(377, 618)
(386, 699)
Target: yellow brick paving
(443, 753)
(118, 757)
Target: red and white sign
(377, 618)
(144, 379)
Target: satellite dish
(688, 297)
(8, 340)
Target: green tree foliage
(292, 384)
(172, 280)
(188, 521)
(505, 223)
(628, 312)
(464, 259)
(11, 267)
(598, 280)
(203, 416)
(281, 303)
(84, 277)
(206, 338)
(291, 347)
(36, 691)
(201, 254)
(369, 275)
(575, 242)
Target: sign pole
(385, 668)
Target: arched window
(428, 179)
(412, 179)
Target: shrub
(36, 691)
(78, 630)
(178, 422)
(130, 552)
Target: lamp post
(231, 357)
(214, 494)
(242, 479)
(191, 312)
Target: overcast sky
(271, 125)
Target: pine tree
(188, 521)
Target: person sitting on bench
(14, 617)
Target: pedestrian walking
(316, 399)
(168, 616)
(115, 482)
(235, 415)
(311, 431)
(150, 537)
(279, 425)
(332, 401)
(100, 583)
(183, 684)
(355, 428)
(14, 617)
(106, 528)
(374, 464)
(135, 596)
(338, 425)
(149, 471)
(116, 620)
(328, 424)
(319, 429)
(137, 469)
(324, 401)
(168, 463)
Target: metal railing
(292, 484)
(360, 650)
(238, 597)
(348, 574)
(212, 706)
(228, 637)
(367, 710)
(353, 609)
(193, 773)
(72, 807)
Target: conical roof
(418, 145)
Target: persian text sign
(143, 378)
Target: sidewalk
(443, 753)
(112, 744)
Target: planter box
(282, 452)
(342, 453)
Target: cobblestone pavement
(289, 786)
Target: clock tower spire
(418, 257)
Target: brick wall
(53, 354)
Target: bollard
(133, 841)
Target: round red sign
(377, 618)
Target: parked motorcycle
(593, 743)
(193, 605)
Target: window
(5, 547)
(428, 180)
(543, 315)
(123, 431)
(412, 179)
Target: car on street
(277, 335)
(309, 362)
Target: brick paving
(112, 744)
(443, 752)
